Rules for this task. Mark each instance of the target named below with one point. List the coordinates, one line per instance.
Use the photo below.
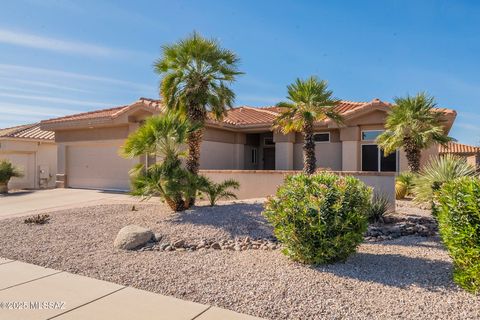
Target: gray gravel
(408, 278)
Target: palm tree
(195, 74)
(163, 137)
(310, 101)
(215, 191)
(414, 125)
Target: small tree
(414, 125)
(309, 101)
(7, 171)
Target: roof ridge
(85, 113)
(260, 109)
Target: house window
(254, 155)
(370, 135)
(373, 159)
(321, 137)
(268, 141)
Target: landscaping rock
(179, 243)
(132, 237)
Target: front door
(268, 158)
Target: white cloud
(23, 110)
(56, 100)
(43, 84)
(65, 46)
(17, 70)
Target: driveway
(42, 201)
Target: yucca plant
(7, 171)
(216, 191)
(438, 171)
(379, 208)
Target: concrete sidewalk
(28, 291)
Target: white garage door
(98, 166)
(26, 163)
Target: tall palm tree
(414, 125)
(309, 101)
(195, 74)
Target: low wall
(263, 183)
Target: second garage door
(98, 166)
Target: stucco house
(88, 143)
(34, 152)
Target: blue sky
(62, 57)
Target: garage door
(26, 163)
(98, 166)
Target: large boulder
(132, 236)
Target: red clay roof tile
(28, 131)
(458, 148)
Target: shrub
(459, 224)
(38, 219)
(319, 218)
(438, 171)
(405, 183)
(400, 190)
(216, 191)
(379, 208)
(7, 171)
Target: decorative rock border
(238, 244)
(393, 228)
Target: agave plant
(379, 208)
(216, 191)
(438, 171)
(7, 171)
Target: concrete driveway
(43, 201)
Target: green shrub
(438, 171)
(319, 218)
(379, 208)
(459, 224)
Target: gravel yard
(408, 278)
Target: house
(470, 153)
(33, 150)
(88, 143)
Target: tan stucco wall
(29, 156)
(427, 154)
(215, 155)
(328, 155)
(260, 184)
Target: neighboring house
(88, 143)
(470, 153)
(33, 150)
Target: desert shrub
(216, 191)
(459, 224)
(400, 190)
(38, 219)
(379, 208)
(319, 218)
(436, 172)
(7, 171)
(404, 183)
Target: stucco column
(61, 176)
(350, 137)
(283, 150)
(239, 151)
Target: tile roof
(458, 148)
(239, 116)
(28, 131)
(105, 113)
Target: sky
(64, 57)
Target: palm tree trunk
(309, 160)
(413, 155)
